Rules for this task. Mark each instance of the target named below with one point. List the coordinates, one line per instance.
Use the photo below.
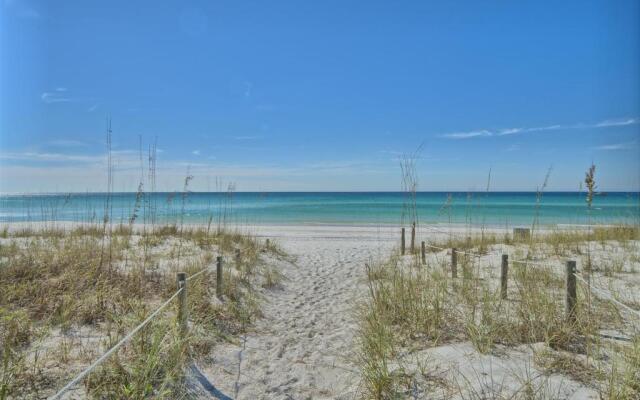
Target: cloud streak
(514, 131)
(617, 146)
(56, 96)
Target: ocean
(349, 208)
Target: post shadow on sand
(200, 383)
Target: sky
(320, 95)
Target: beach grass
(67, 295)
(413, 308)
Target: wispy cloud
(53, 97)
(196, 152)
(618, 146)
(467, 135)
(509, 131)
(514, 131)
(56, 96)
(618, 122)
(92, 108)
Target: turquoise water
(494, 208)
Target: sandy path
(302, 348)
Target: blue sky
(309, 95)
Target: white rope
(542, 264)
(441, 248)
(114, 348)
(437, 230)
(474, 254)
(530, 262)
(197, 273)
(605, 294)
(608, 296)
(457, 251)
(435, 247)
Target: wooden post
(182, 304)
(571, 291)
(424, 254)
(402, 242)
(238, 258)
(413, 238)
(503, 276)
(267, 244)
(454, 263)
(219, 277)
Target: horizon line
(312, 192)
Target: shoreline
(348, 225)
(382, 233)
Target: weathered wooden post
(182, 304)
(413, 238)
(267, 244)
(454, 263)
(571, 291)
(503, 276)
(219, 277)
(424, 254)
(402, 242)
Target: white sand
(303, 347)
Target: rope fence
(122, 341)
(571, 272)
(608, 296)
(182, 318)
(203, 270)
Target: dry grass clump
(412, 307)
(559, 362)
(624, 379)
(414, 302)
(404, 307)
(58, 287)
